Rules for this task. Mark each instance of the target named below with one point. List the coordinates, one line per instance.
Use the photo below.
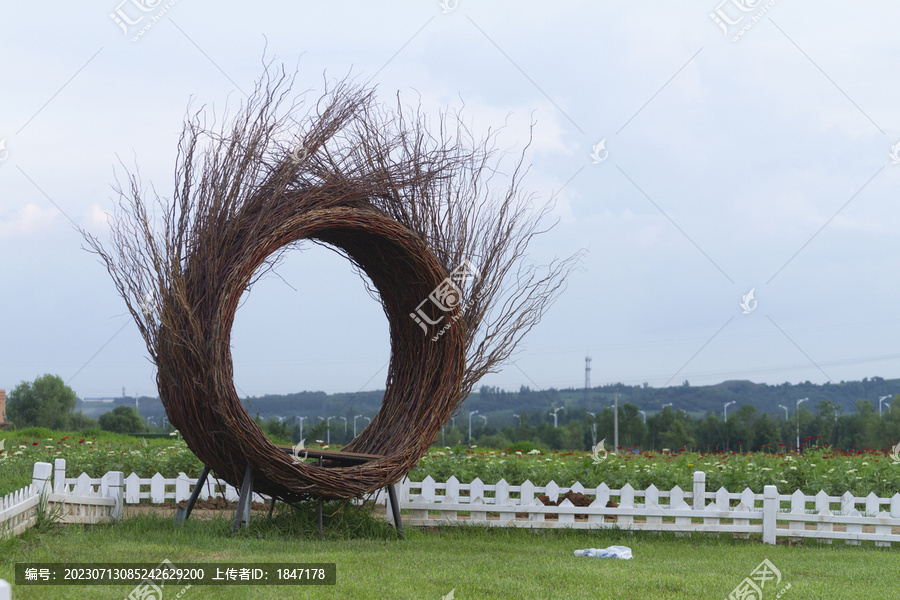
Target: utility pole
(474, 412)
(616, 425)
(587, 376)
(301, 427)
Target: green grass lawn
(476, 563)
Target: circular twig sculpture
(411, 211)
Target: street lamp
(555, 422)
(593, 429)
(799, 402)
(345, 425)
(485, 419)
(519, 418)
(665, 405)
(880, 400)
(354, 424)
(328, 430)
(643, 414)
(474, 412)
(301, 426)
(785, 411)
(727, 404)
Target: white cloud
(99, 217)
(29, 220)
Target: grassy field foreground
(476, 563)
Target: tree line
(746, 429)
(49, 402)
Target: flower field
(816, 469)
(91, 454)
(834, 472)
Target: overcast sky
(732, 161)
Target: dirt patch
(203, 509)
(577, 499)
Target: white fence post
(770, 513)
(59, 476)
(41, 479)
(5, 590)
(699, 490)
(115, 484)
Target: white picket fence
(98, 503)
(92, 500)
(773, 515)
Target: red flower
(34, 443)
(81, 441)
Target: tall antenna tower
(587, 375)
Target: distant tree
(677, 436)
(80, 422)
(122, 419)
(47, 402)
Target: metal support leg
(271, 506)
(321, 528)
(395, 510)
(182, 514)
(242, 514)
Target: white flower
(533, 451)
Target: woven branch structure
(405, 207)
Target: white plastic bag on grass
(623, 552)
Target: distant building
(3, 423)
